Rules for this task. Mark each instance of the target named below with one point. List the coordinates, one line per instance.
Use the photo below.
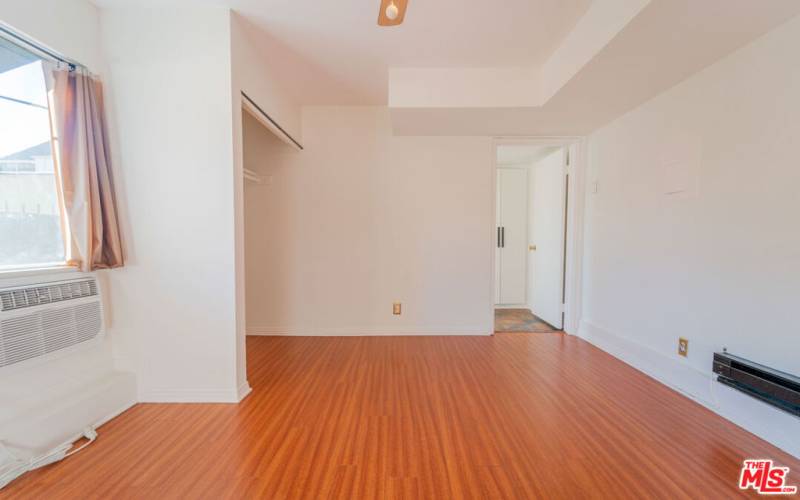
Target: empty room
(399, 249)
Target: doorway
(531, 235)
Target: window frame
(40, 268)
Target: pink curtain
(83, 170)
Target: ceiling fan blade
(401, 12)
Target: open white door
(547, 237)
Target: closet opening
(268, 157)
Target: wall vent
(775, 387)
(39, 319)
(37, 295)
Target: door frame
(576, 170)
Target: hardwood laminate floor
(507, 416)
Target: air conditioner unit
(42, 319)
(57, 379)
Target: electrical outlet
(683, 347)
(397, 308)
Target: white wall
(175, 301)
(68, 26)
(361, 219)
(718, 263)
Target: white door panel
(547, 228)
(512, 210)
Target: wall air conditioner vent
(46, 294)
(42, 318)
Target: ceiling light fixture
(392, 12)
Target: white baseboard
(191, 396)
(368, 331)
(244, 390)
(770, 424)
(114, 414)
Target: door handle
(532, 248)
(502, 237)
(498, 237)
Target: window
(30, 221)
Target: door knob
(532, 248)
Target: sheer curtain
(83, 168)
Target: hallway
(519, 321)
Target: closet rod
(264, 113)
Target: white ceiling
(332, 52)
(666, 42)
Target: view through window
(30, 225)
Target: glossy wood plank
(509, 416)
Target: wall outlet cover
(683, 347)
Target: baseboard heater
(767, 384)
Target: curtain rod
(271, 120)
(18, 39)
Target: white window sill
(23, 272)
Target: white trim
(23, 272)
(577, 173)
(244, 390)
(367, 331)
(114, 414)
(552, 140)
(573, 282)
(492, 235)
(773, 425)
(514, 164)
(191, 396)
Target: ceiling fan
(392, 12)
